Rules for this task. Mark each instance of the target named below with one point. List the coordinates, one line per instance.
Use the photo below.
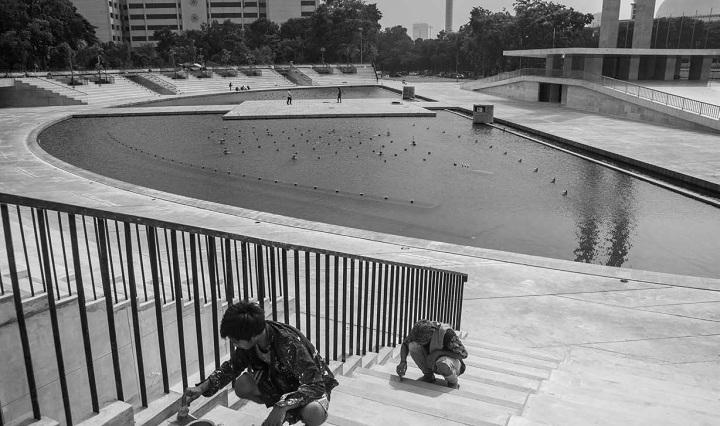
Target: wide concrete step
(524, 353)
(428, 402)
(638, 392)
(369, 411)
(505, 367)
(561, 411)
(488, 392)
(504, 377)
(440, 386)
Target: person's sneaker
(455, 385)
(428, 378)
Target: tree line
(50, 34)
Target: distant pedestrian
(289, 98)
(230, 85)
(339, 96)
(237, 89)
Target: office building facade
(135, 21)
(421, 31)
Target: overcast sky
(408, 12)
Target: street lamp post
(361, 45)
(322, 55)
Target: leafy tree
(35, 32)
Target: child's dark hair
(243, 321)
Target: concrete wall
(14, 394)
(592, 101)
(521, 90)
(642, 33)
(25, 95)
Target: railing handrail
(158, 223)
(671, 99)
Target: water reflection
(615, 221)
(623, 220)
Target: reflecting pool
(433, 178)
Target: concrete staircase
(365, 75)
(494, 389)
(192, 85)
(96, 94)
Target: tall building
(136, 21)
(448, 15)
(106, 17)
(421, 31)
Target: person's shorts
(447, 366)
(293, 416)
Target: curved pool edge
(285, 223)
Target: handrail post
(22, 326)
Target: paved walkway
(659, 324)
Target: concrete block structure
(637, 63)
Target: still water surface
(443, 179)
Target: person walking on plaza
(289, 98)
(273, 364)
(436, 349)
(339, 96)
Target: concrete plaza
(648, 342)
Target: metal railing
(345, 304)
(656, 96)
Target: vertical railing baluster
(260, 275)
(179, 307)
(89, 258)
(212, 265)
(238, 272)
(391, 305)
(460, 301)
(273, 284)
(327, 307)
(352, 307)
(51, 259)
(141, 262)
(251, 261)
(406, 301)
(286, 301)
(244, 261)
(397, 309)
(185, 263)
(296, 267)
(64, 253)
(344, 309)
(169, 265)
(366, 295)
(120, 256)
(336, 286)
(25, 254)
(373, 348)
(385, 320)
(433, 296)
(160, 268)
(375, 308)
(318, 311)
(17, 299)
(307, 297)
(105, 276)
(196, 302)
(150, 233)
(415, 275)
(134, 312)
(229, 286)
(202, 269)
(110, 261)
(37, 249)
(358, 321)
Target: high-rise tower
(448, 15)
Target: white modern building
(421, 31)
